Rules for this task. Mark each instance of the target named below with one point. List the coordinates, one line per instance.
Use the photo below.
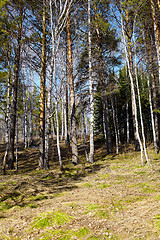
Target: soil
(113, 198)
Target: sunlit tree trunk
(72, 96)
(115, 127)
(7, 114)
(42, 164)
(130, 68)
(134, 106)
(139, 101)
(91, 154)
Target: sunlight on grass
(103, 176)
(38, 198)
(50, 218)
(4, 206)
(157, 198)
(157, 217)
(104, 186)
(147, 188)
(97, 210)
(66, 234)
(87, 185)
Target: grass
(104, 186)
(49, 219)
(119, 184)
(38, 198)
(4, 206)
(89, 185)
(157, 217)
(66, 234)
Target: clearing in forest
(114, 198)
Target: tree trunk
(134, 106)
(14, 96)
(139, 101)
(106, 122)
(115, 126)
(91, 154)
(156, 34)
(42, 164)
(72, 96)
(130, 61)
(7, 114)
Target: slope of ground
(115, 198)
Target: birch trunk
(152, 116)
(134, 106)
(127, 113)
(139, 101)
(153, 95)
(57, 120)
(62, 132)
(91, 154)
(130, 68)
(84, 129)
(7, 115)
(115, 127)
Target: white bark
(91, 154)
(152, 116)
(62, 132)
(115, 127)
(133, 90)
(84, 129)
(7, 119)
(127, 113)
(127, 110)
(139, 101)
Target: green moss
(49, 218)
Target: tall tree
(72, 95)
(15, 88)
(42, 163)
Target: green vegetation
(66, 234)
(50, 218)
(157, 217)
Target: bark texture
(72, 95)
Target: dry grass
(115, 198)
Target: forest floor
(114, 198)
